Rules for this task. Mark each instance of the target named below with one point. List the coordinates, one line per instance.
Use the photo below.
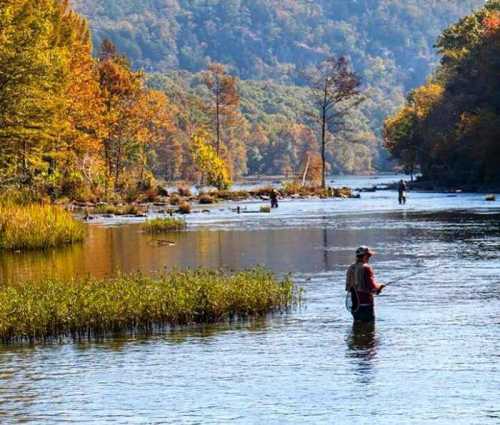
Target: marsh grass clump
(167, 224)
(93, 307)
(206, 199)
(184, 208)
(105, 209)
(35, 226)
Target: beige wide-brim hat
(364, 250)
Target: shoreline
(433, 187)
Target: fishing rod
(399, 279)
(413, 274)
(349, 301)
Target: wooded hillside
(390, 43)
(450, 127)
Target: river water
(433, 356)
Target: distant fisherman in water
(402, 192)
(361, 284)
(274, 198)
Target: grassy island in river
(93, 307)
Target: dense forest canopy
(389, 42)
(263, 39)
(450, 127)
(81, 120)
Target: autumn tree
(33, 76)
(121, 90)
(333, 88)
(451, 124)
(226, 100)
(77, 154)
(405, 133)
(310, 169)
(157, 129)
(137, 120)
(208, 163)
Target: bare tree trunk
(323, 146)
(118, 165)
(217, 119)
(306, 171)
(108, 166)
(24, 158)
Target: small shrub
(292, 188)
(161, 225)
(206, 199)
(237, 195)
(264, 191)
(175, 199)
(184, 208)
(106, 209)
(265, 209)
(184, 190)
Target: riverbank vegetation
(450, 127)
(29, 227)
(78, 120)
(267, 44)
(161, 225)
(136, 303)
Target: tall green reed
(129, 303)
(36, 226)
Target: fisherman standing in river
(402, 192)
(274, 198)
(361, 284)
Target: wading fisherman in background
(402, 192)
(274, 198)
(361, 284)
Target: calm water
(433, 356)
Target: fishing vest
(356, 278)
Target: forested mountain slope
(450, 127)
(390, 43)
(264, 39)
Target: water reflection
(280, 369)
(126, 248)
(362, 344)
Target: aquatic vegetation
(160, 225)
(35, 226)
(175, 199)
(288, 189)
(129, 209)
(184, 190)
(184, 208)
(205, 199)
(130, 303)
(231, 195)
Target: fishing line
(352, 298)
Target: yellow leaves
(209, 163)
(401, 128)
(424, 98)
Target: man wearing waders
(402, 192)
(274, 198)
(361, 284)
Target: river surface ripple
(433, 356)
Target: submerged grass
(160, 225)
(29, 227)
(93, 307)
